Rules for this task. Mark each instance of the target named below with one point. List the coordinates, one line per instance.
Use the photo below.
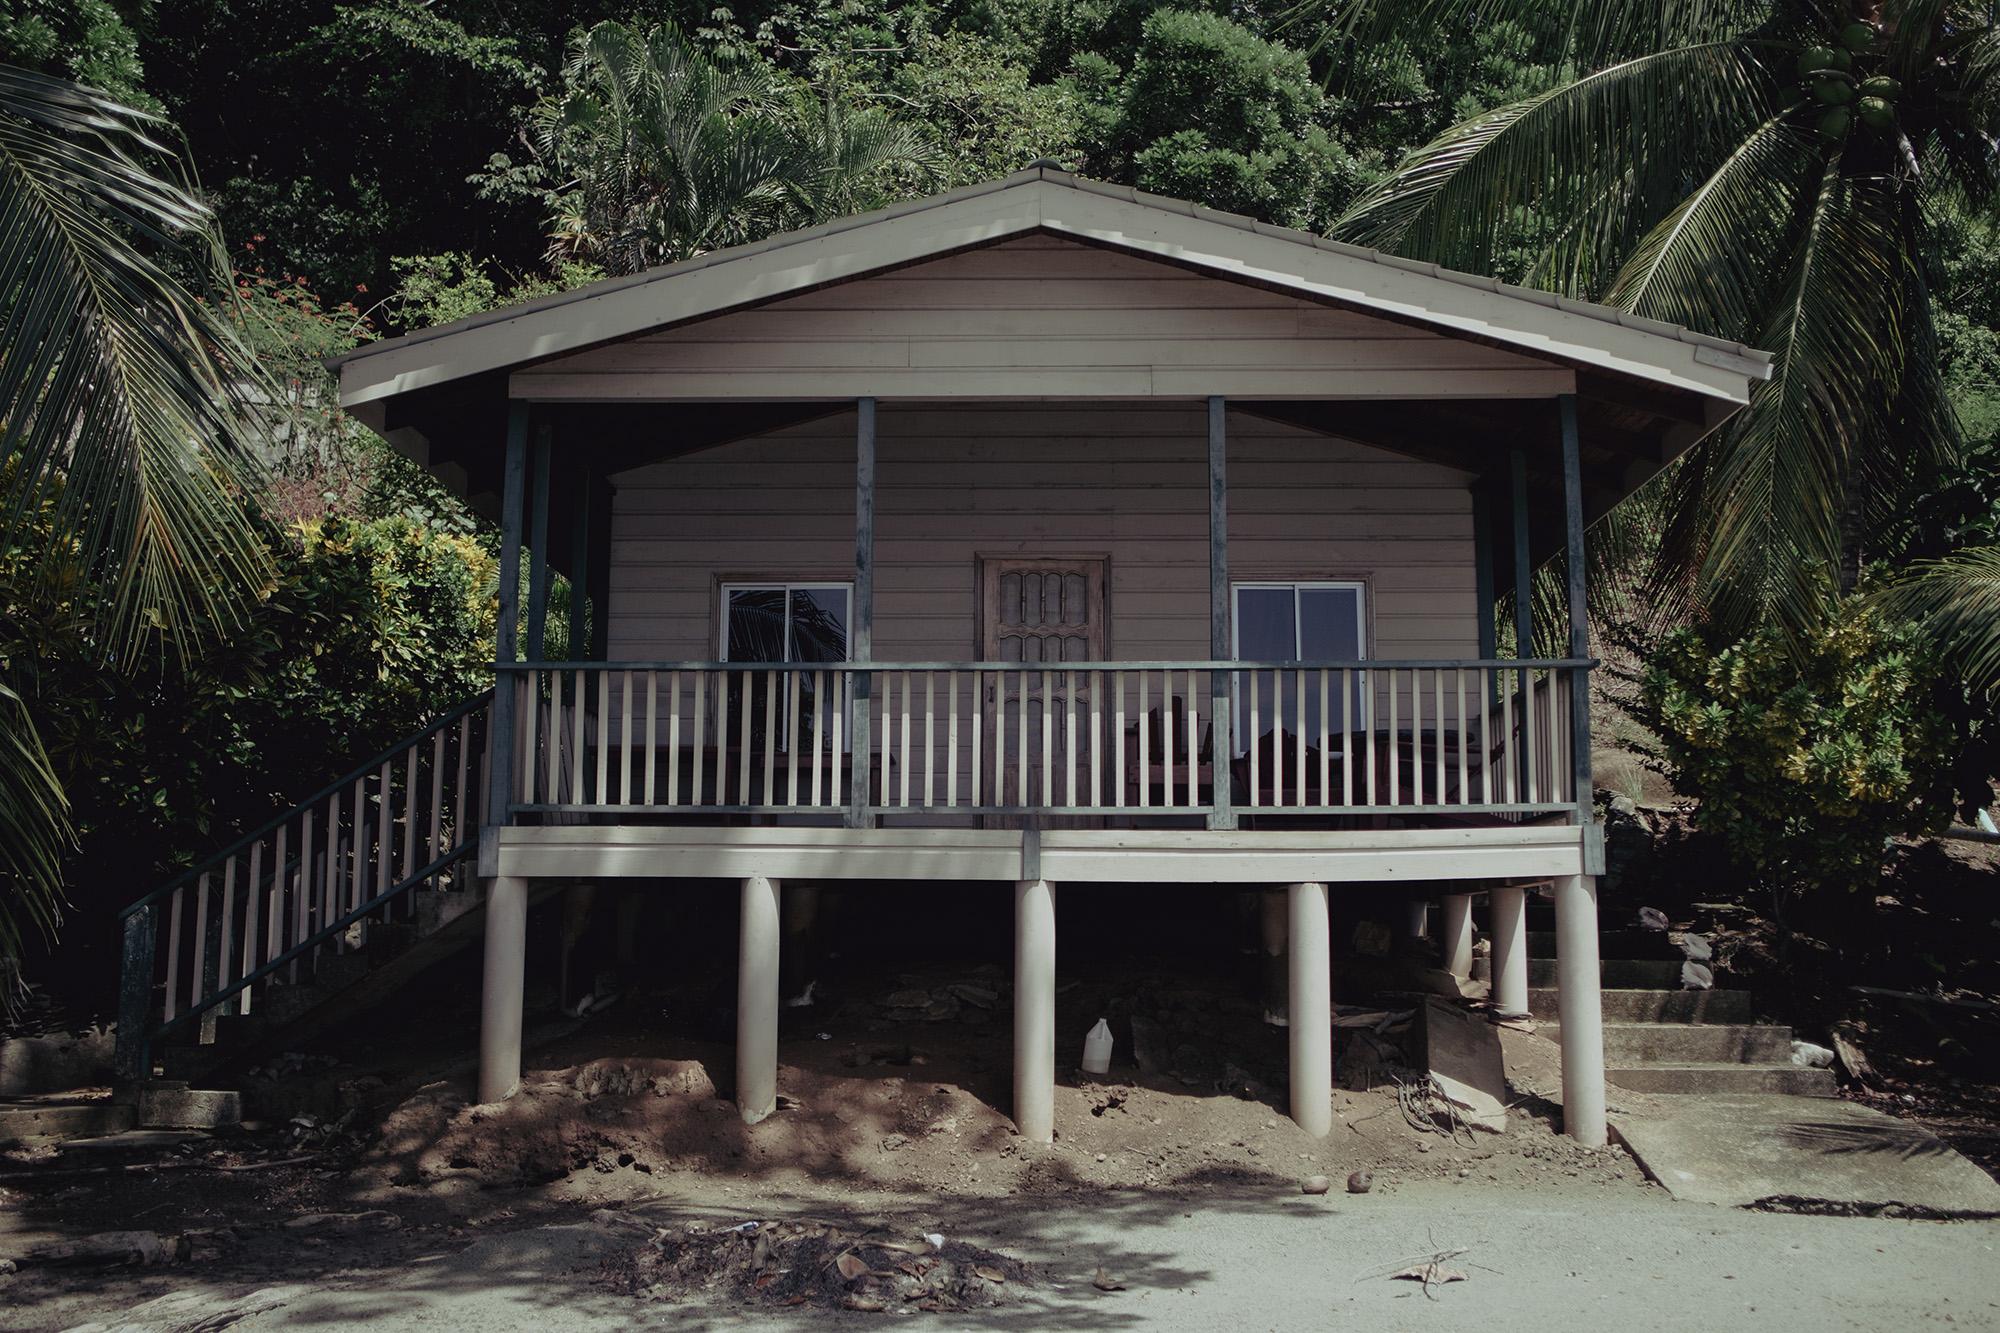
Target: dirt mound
(605, 1115)
(792, 1263)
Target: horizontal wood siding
(1041, 317)
(1126, 481)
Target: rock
(1696, 947)
(894, 1142)
(1149, 1049)
(1360, 1182)
(907, 999)
(979, 997)
(105, 1247)
(195, 1311)
(1652, 918)
(1696, 976)
(343, 1224)
(30, 1065)
(1315, 1185)
(1807, 1055)
(1237, 1082)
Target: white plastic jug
(1097, 1049)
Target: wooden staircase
(323, 910)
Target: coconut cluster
(1828, 73)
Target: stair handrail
(258, 834)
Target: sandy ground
(1249, 1254)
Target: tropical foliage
(1764, 171)
(1805, 759)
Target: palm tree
(1957, 601)
(125, 434)
(657, 152)
(1763, 170)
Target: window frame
(1236, 589)
(787, 586)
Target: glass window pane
(819, 625)
(1329, 624)
(756, 624)
(1265, 629)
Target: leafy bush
(1805, 757)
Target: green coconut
(1833, 92)
(1858, 36)
(1882, 86)
(1876, 113)
(1835, 124)
(1816, 58)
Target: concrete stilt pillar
(1273, 912)
(1417, 918)
(500, 991)
(757, 1001)
(1580, 1007)
(1312, 1009)
(1035, 1010)
(1510, 949)
(1458, 934)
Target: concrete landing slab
(1737, 1150)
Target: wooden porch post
(1579, 612)
(1524, 574)
(1482, 585)
(861, 632)
(538, 549)
(1222, 814)
(600, 567)
(580, 567)
(500, 787)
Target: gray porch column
(501, 988)
(1524, 572)
(1458, 934)
(1580, 1009)
(536, 648)
(1510, 950)
(1035, 1010)
(1311, 1030)
(757, 1000)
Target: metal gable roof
(1044, 199)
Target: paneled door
(1040, 610)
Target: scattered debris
(195, 1311)
(1103, 1280)
(1808, 1055)
(1432, 1273)
(810, 1262)
(1652, 918)
(344, 1224)
(1852, 1059)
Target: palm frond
(1604, 154)
(34, 831)
(117, 374)
(1955, 601)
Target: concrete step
(1693, 1043)
(1611, 944)
(1619, 972)
(44, 1119)
(1700, 1078)
(1647, 1005)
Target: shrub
(1806, 757)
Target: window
(785, 622)
(1294, 622)
(781, 622)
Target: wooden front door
(1040, 610)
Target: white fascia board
(629, 309)
(1513, 319)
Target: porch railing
(1136, 740)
